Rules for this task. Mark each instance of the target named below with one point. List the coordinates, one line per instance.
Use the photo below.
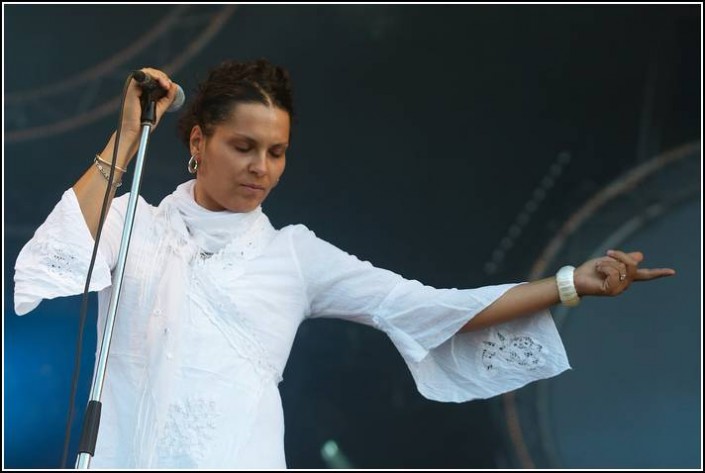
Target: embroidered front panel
(189, 428)
(214, 280)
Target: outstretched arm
(607, 276)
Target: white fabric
(201, 340)
(210, 231)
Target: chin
(243, 207)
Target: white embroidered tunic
(202, 336)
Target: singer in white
(213, 294)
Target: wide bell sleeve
(423, 323)
(54, 262)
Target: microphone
(151, 85)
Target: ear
(197, 140)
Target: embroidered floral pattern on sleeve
(504, 352)
(60, 259)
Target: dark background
(423, 135)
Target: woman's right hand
(131, 126)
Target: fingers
(627, 259)
(617, 265)
(164, 102)
(631, 260)
(613, 274)
(159, 76)
(649, 274)
(165, 83)
(637, 256)
(607, 262)
(610, 269)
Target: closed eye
(278, 151)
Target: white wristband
(566, 286)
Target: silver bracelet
(105, 173)
(97, 156)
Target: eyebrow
(249, 138)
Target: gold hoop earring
(192, 165)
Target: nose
(258, 165)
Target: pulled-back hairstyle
(231, 83)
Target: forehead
(257, 121)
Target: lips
(254, 186)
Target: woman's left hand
(611, 275)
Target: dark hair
(231, 83)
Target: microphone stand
(91, 420)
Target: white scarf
(209, 230)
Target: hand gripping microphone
(150, 85)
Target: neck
(203, 200)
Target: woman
(213, 295)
